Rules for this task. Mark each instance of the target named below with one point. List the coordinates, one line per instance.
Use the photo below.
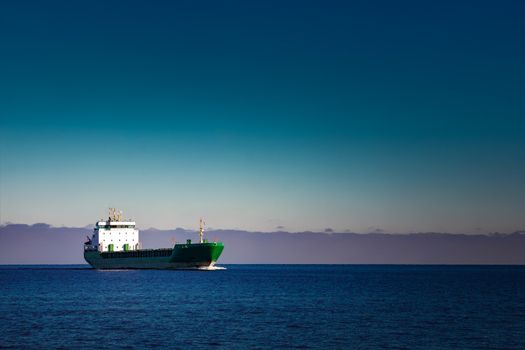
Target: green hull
(182, 256)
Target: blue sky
(361, 116)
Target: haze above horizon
(362, 116)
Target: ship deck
(141, 253)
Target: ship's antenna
(115, 215)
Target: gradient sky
(364, 115)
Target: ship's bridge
(115, 224)
(115, 234)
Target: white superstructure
(115, 234)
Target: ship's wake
(211, 268)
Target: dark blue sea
(264, 307)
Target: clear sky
(399, 116)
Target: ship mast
(201, 230)
(115, 215)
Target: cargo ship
(115, 244)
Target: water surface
(264, 306)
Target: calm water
(265, 306)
